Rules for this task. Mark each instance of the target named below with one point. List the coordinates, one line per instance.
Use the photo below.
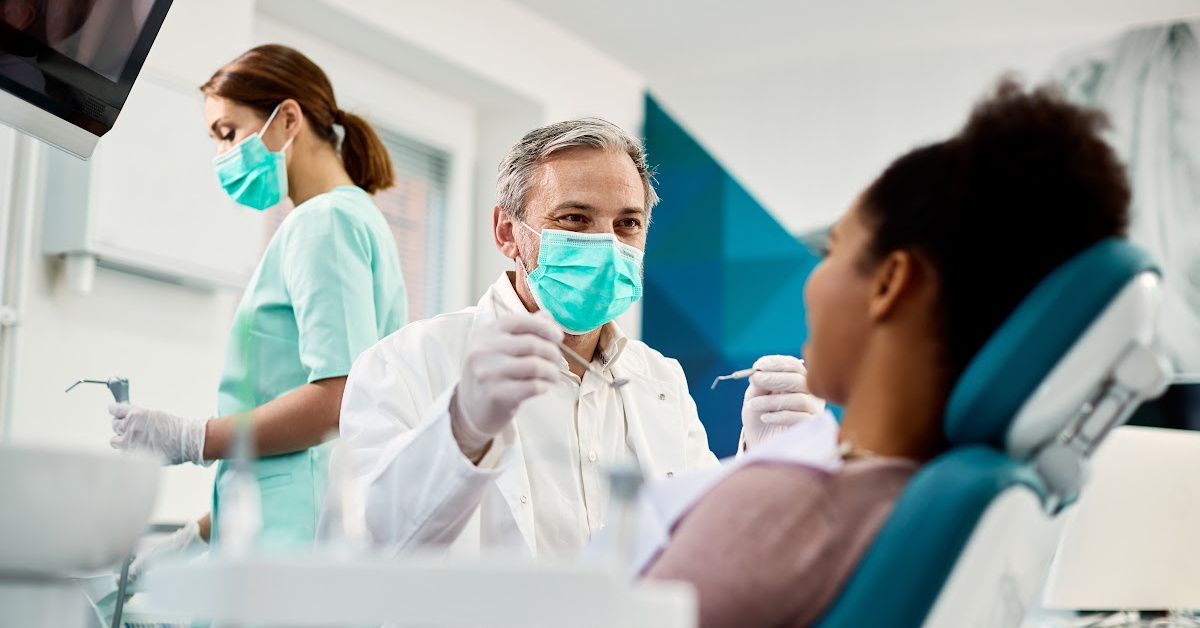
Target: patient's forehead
(853, 225)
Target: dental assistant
(327, 288)
(471, 430)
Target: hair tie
(339, 117)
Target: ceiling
(662, 39)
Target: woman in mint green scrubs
(327, 288)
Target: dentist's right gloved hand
(777, 399)
(183, 542)
(510, 360)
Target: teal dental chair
(973, 534)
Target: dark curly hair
(1025, 185)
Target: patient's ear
(895, 280)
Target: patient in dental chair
(925, 265)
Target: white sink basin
(62, 511)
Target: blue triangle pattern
(682, 331)
(724, 280)
(749, 231)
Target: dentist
(472, 431)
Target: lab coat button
(524, 499)
(662, 397)
(592, 456)
(670, 474)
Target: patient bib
(812, 443)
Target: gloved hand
(777, 398)
(510, 360)
(183, 542)
(173, 439)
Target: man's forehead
(587, 160)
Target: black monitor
(66, 66)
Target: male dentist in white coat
(471, 430)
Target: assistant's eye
(228, 137)
(630, 224)
(573, 218)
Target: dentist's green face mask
(584, 279)
(252, 175)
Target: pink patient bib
(812, 443)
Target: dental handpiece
(118, 386)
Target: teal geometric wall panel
(724, 280)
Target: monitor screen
(74, 59)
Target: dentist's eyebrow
(574, 205)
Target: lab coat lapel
(513, 484)
(653, 422)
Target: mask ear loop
(521, 258)
(531, 229)
(525, 269)
(263, 130)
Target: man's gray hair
(519, 166)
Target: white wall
(464, 75)
(805, 138)
(169, 340)
(517, 69)
(395, 103)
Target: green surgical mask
(584, 279)
(252, 175)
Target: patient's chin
(815, 384)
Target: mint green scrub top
(328, 287)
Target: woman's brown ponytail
(364, 155)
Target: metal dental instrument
(615, 384)
(742, 374)
(118, 386)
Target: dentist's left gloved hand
(173, 439)
(777, 399)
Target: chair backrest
(972, 534)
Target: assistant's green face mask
(584, 279)
(251, 174)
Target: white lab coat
(417, 487)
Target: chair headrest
(1035, 338)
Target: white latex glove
(510, 360)
(173, 439)
(777, 399)
(183, 542)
